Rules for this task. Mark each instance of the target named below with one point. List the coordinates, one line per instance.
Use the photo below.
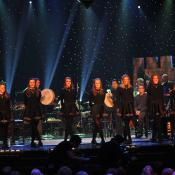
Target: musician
(167, 87)
(68, 106)
(5, 113)
(116, 118)
(172, 107)
(32, 112)
(155, 105)
(37, 85)
(140, 104)
(127, 106)
(96, 102)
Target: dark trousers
(97, 114)
(156, 128)
(97, 129)
(35, 133)
(117, 123)
(68, 122)
(126, 132)
(4, 132)
(164, 126)
(140, 123)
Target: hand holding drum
(47, 96)
(108, 100)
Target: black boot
(40, 143)
(94, 138)
(102, 137)
(33, 145)
(5, 145)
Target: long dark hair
(71, 86)
(94, 89)
(3, 83)
(151, 79)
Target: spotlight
(138, 6)
(30, 2)
(86, 3)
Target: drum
(108, 103)
(47, 96)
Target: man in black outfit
(140, 104)
(116, 118)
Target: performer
(32, 112)
(37, 84)
(140, 104)
(68, 106)
(167, 87)
(172, 114)
(127, 106)
(5, 113)
(116, 118)
(155, 106)
(96, 102)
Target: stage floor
(49, 144)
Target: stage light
(86, 3)
(51, 64)
(91, 50)
(30, 2)
(12, 56)
(139, 6)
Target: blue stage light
(53, 63)
(13, 46)
(91, 49)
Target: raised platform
(142, 151)
(49, 144)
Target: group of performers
(148, 105)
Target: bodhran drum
(108, 103)
(47, 96)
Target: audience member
(147, 170)
(64, 170)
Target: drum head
(47, 96)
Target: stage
(49, 144)
(142, 151)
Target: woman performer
(96, 102)
(5, 113)
(68, 106)
(126, 106)
(155, 105)
(32, 112)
